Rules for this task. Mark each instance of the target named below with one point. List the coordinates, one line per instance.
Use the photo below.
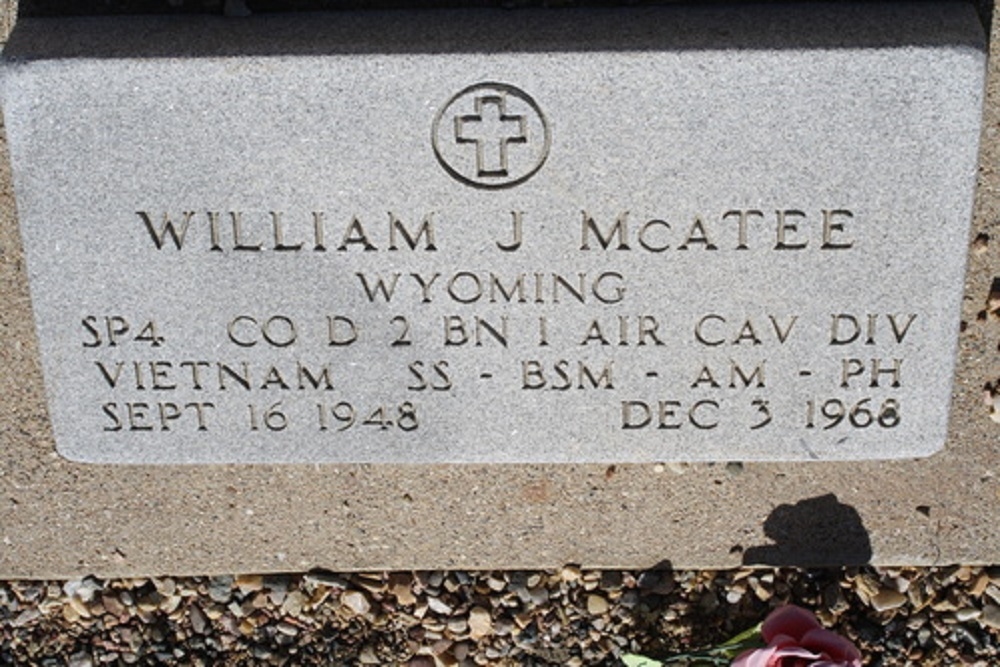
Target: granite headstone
(593, 235)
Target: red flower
(796, 639)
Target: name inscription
(785, 229)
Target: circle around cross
(491, 135)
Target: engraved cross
(492, 130)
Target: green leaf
(748, 634)
(749, 638)
(719, 655)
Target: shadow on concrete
(814, 532)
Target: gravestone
(655, 235)
(401, 239)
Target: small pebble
(294, 602)
(991, 616)
(596, 605)
(199, 622)
(967, 614)
(886, 599)
(220, 589)
(438, 606)
(356, 601)
(249, 583)
(480, 623)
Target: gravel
(566, 617)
